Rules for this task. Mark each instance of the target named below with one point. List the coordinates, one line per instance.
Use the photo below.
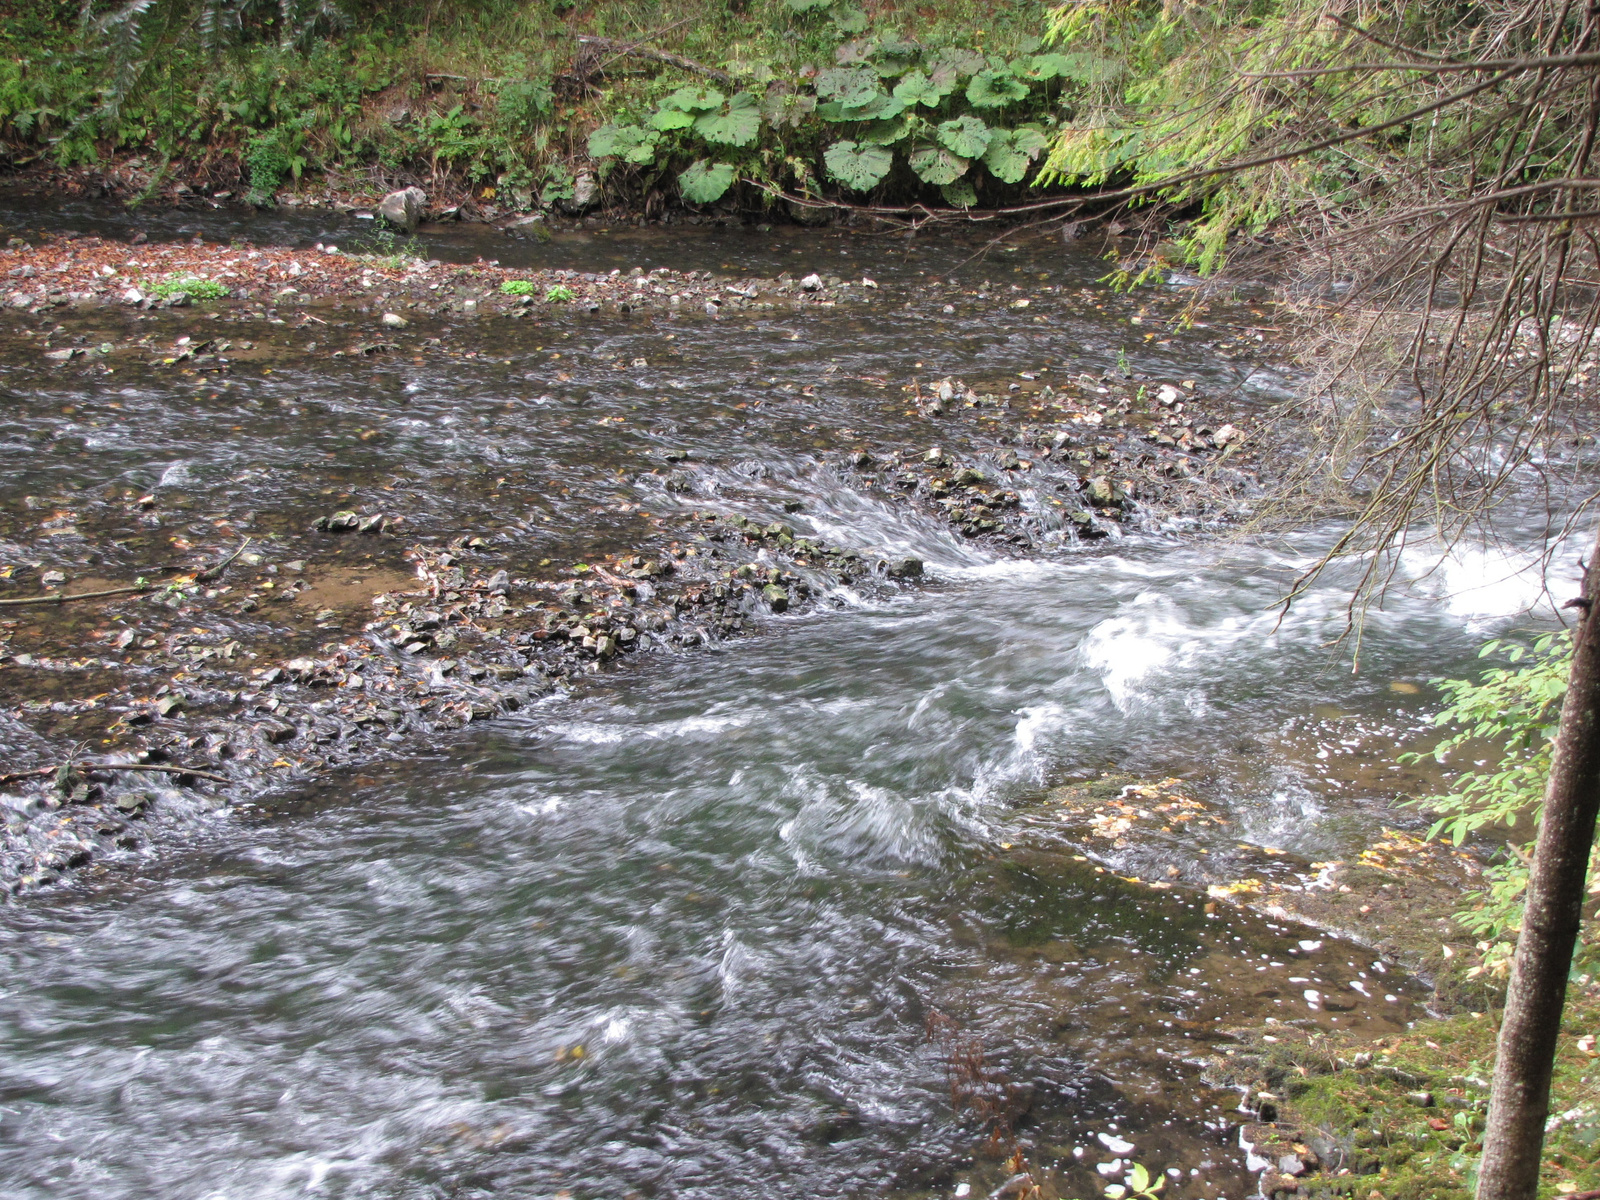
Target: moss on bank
(1400, 1118)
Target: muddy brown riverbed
(756, 904)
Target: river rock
(585, 192)
(812, 282)
(337, 522)
(776, 596)
(403, 209)
(908, 567)
(276, 732)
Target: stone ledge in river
(95, 271)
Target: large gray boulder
(403, 209)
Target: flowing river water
(755, 919)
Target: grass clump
(558, 293)
(517, 287)
(189, 285)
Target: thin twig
(204, 576)
(62, 599)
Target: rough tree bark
(1513, 1143)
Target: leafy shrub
(948, 116)
(522, 104)
(1516, 709)
(517, 287)
(271, 156)
(558, 293)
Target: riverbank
(1401, 1117)
(507, 111)
(1337, 1105)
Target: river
(763, 917)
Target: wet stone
(276, 732)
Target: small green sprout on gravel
(517, 287)
(189, 285)
(557, 293)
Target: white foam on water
(1127, 649)
(176, 475)
(589, 732)
(1488, 581)
(1036, 721)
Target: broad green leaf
(666, 119)
(966, 136)
(694, 100)
(1138, 1178)
(917, 88)
(895, 58)
(736, 125)
(960, 194)
(951, 65)
(805, 6)
(858, 166)
(937, 165)
(705, 182)
(878, 107)
(881, 107)
(627, 142)
(1046, 66)
(847, 84)
(858, 51)
(849, 20)
(1011, 150)
(1030, 139)
(902, 51)
(787, 108)
(885, 133)
(995, 89)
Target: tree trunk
(1513, 1144)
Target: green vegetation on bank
(1513, 710)
(1403, 1116)
(693, 100)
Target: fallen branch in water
(167, 768)
(204, 576)
(61, 598)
